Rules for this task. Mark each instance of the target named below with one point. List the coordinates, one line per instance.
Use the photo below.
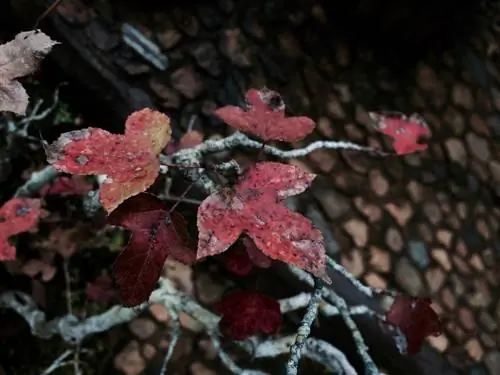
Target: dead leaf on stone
(18, 58)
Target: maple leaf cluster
(247, 221)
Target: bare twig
(174, 337)
(304, 329)
(318, 350)
(37, 181)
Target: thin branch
(174, 337)
(37, 181)
(339, 302)
(241, 140)
(304, 329)
(227, 360)
(301, 300)
(58, 363)
(317, 350)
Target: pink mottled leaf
(253, 207)
(406, 132)
(265, 117)
(18, 215)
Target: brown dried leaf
(18, 58)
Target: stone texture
(456, 151)
(142, 328)
(442, 258)
(380, 259)
(358, 230)
(394, 240)
(235, 47)
(478, 146)
(401, 213)
(419, 254)
(474, 350)
(492, 362)
(187, 81)
(379, 183)
(435, 278)
(408, 277)
(375, 280)
(353, 261)
(129, 360)
(462, 96)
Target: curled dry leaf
(406, 132)
(155, 234)
(265, 118)
(253, 207)
(17, 216)
(130, 161)
(415, 319)
(18, 58)
(246, 313)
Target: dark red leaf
(246, 313)
(237, 261)
(415, 318)
(254, 207)
(155, 235)
(265, 118)
(406, 132)
(16, 216)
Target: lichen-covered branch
(37, 181)
(304, 329)
(317, 350)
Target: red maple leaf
(264, 117)
(241, 259)
(415, 318)
(155, 235)
(253, 206)
(102, 290)
(246, 313)
(130, 161)
(406, 132)
(18, 215)
(64, 185)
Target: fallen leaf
(18, 58)
(64, 185)
(415, 319)
(406, 132)
(264, 117)
(253, 207)
(129, 161)
(246, 313)
(18, 215)
(155, 234)
(256, 256)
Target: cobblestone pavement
(427, 223)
